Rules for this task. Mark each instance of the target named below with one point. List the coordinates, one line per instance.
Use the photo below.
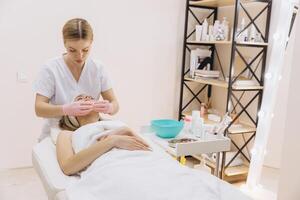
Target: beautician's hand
(77, 108)
(103, 107)
(128, 143)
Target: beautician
(63, 78)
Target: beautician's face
(78, 50)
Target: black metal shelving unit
(235, 95)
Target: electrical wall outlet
(22, 77)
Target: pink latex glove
(78, 108)
(103, 107)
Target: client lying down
(115, 163)
(117, 136)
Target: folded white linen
(88, 134)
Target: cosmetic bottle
(244, 34)
(193, 63)
(211, 33)
(252, 33)
(198, 32)
(205, 30)
(225, 26)
(208, 67)
(187, 124)
(216, 26)
(220, 36)
(258, 37)
(197, 125)
(195, 115)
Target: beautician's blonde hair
(76, 29)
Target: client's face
(87, 98)
(83, 97)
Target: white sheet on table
(136, 175)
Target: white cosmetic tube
(198, 32)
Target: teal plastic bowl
(166, 128)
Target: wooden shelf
(240, 170)
(252, 44)
(236, 170)
(209, 81)
(254, 87)
(213, 3)
(209, 42)
(241, 127)
(223, 84)
(206, 120)
(219, 3)
(255, 44)
(238, 128)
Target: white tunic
(56, 82)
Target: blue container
(166, 128)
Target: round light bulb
(276, 36)
(261, 113)
(253, 151)
(268, 75)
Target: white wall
(289, 174)
(140, 42)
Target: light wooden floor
(24, 183)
